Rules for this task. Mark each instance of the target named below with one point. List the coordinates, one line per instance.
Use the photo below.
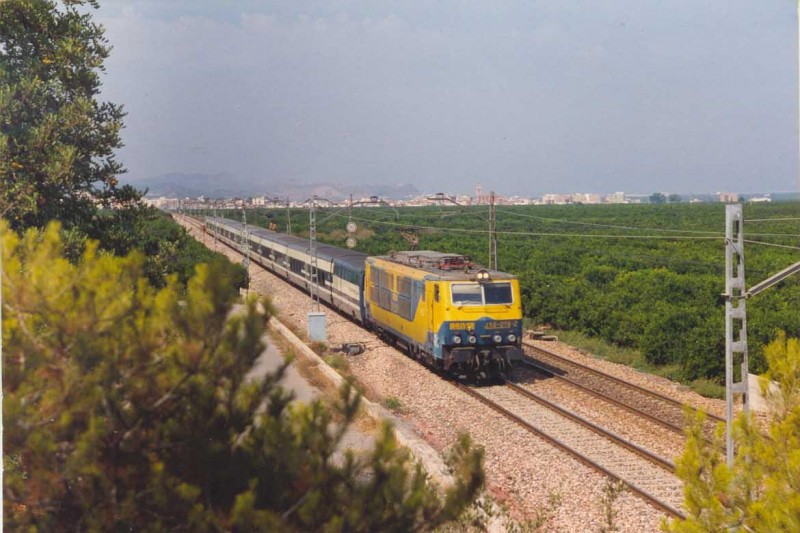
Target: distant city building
(574, 198)
(518, 200)
(760, 199)
(728, 197)
(585, 198)
(637, 198)
(481, 198)
(557, 199)
(443, 199)
(615, 198)
(162, 202)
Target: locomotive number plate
(506, 324)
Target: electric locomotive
(446, 312)
(440, 307)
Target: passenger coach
(340, 272)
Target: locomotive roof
(443, 266)
(350, 258)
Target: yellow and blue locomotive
(445, 311)
(440, 307)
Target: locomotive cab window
(497, 293)
(482, 294)
(467, 294)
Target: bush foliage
(128, 407)
(761, 490)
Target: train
(441, 308)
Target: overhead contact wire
(770, 219)
(539, 234)
(773, 244)
(564, 221)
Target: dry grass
(327, 391)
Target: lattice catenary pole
(246, 248)
(288, 217)
(492, 233)
(215, 227)
(735, 320)
(312, 238)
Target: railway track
(192, 220)
(646, 475)
(653, 406)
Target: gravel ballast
(524, 473)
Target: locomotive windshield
(467, 294)
(482, 294)
(497, 293)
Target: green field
(646, 277)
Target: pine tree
(761, 491)
(127, 407)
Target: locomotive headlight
(512, 338)
(456, 339)
(498, 339)
(472, 339)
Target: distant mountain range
(226, 186)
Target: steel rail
(621, 441)
(649, 498)
(606, 397)
(614, 379)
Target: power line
(564, 221)
(770, 219)
(540, 234)
(771, 234)
(654, 259)
(773, 244)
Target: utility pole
(492, 234)
(350, 211)
(288, 218)
(246, 249)
(215, 227)
(735, 320)
(312, 246)
(736, 315)
(317, 328)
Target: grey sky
(522, 97)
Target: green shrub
(393, 403)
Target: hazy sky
(523, 97)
